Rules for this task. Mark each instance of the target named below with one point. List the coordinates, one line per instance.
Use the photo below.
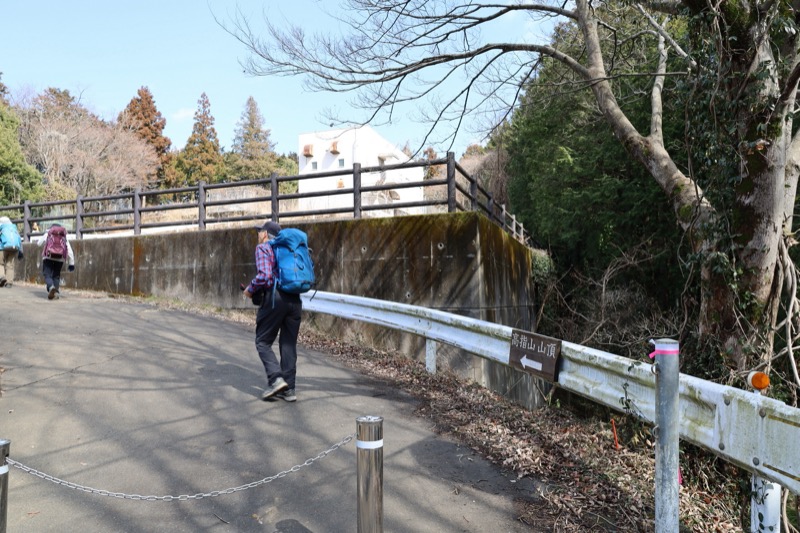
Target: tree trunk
(738, 294)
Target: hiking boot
(3, 281)
(51, 293)
(287, 395)
(274, 389)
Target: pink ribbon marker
(663, 352)
(664, 348)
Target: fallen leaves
(588, 485)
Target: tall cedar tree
(201, 159)
(143, 118)
(253, 154)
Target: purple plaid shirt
(265, 263)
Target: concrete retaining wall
(457, 262)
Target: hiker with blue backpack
(285, 271)
(57, 251)
(11, 246)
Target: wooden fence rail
(134, 210)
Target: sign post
(667, 433)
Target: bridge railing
(747, 429)
(207, 204)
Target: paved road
(131, 399)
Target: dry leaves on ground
(589, 484)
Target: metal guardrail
(754, 432)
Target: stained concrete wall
(458, 262)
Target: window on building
(341, 163)
(313, 165)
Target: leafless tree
(488, 166)
(80, 154)
(437, 52)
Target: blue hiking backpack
(9, 237)
(294, 267)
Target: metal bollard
(430, 355)
(765, 498)
(765, 505)
(369, 459)
(4, 447)
(667, 434)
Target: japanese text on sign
(538, 344)
(535, 354)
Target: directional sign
(535, 354)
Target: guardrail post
(430, 355)
(4, 447)
(473, 193)
(765, 506)
(26, 220)
(356, 190)
(369, 460)
(137, 211)
(79, 216)
(765, 496)
(451, 182)
(273, 197)
(514, 227)
(201, 205)
(667, 435)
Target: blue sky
(103, 51)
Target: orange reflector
(758, 380)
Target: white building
(337, 150)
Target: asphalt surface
(130, 399)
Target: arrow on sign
(530, 363)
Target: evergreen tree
(201, 159)
(287, 165)
(3, 91)
(564, 164)
(19, 181)
(609, 228)
(143, 118)
(252, 155)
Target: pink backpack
(55, 246)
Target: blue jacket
(9, 237)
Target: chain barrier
(183, 497)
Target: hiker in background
(57, 250)
(11, 245)
(279, 313)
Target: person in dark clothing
(278, 314)
(52, 264)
